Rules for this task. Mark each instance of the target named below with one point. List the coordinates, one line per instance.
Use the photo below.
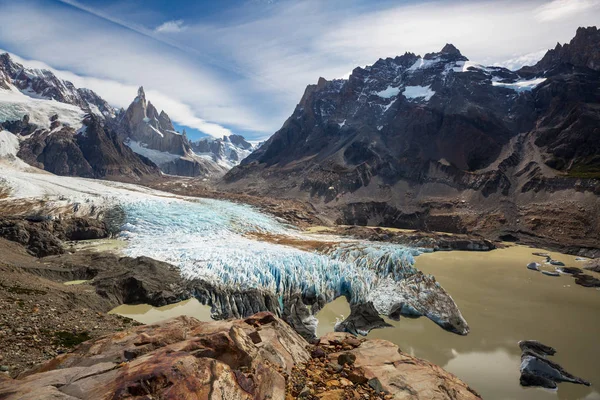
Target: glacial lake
(503, 302)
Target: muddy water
(503, 303)
(146, 314)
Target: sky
(240, 66)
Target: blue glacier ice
(209, 239)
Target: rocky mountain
(228, 151)
(151, 134)
(93, 151)
(438, 142)
(43, 84)
(73, 131)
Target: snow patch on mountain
(421, 63)
(14, 105)
(389, 92)
(418, 92)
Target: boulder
(537, 370)
(593, 265)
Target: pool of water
(147, 314)
(503, 302)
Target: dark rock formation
(362, 319)
(587, 280)
(140, 280)
(93, 152)
(182, 358)
(43, 237)
(537, 370)
(434, 143)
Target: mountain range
(433, 142)
(437, 142)
(73, 131)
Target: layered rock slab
(180, 358)
(236, 359)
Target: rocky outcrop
(537, 370)
(259, 357)
(593, 265)
(43, 237)
(438, 143)
(580, 52)
(181, 358)
(343, 367)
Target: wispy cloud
(119, 59)
(170, 27)
(522, 60)
(559, 9)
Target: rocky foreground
(260, 357)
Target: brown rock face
(399, 374)
(181, 358)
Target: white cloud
(517, 62)
(121, 95)
(559, 9)
(119, 60)
(170, 27)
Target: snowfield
(14, 105)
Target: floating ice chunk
(389, 92)
(418, 92)
(521, 86)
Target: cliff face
(437, 142)
(94, 151)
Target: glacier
(212, 240)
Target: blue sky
(241, 66)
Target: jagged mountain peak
(582, 51)
(450, 49)
(140, 93)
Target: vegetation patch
(70, 339)
(586, 170)
(21, 290)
